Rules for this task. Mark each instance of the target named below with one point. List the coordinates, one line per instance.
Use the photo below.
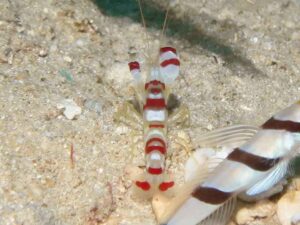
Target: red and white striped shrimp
(253, 169)
(155, 117)
(152, 95)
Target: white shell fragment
(71, 108)
(288, 208)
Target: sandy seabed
(240, 63)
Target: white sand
(54, 50)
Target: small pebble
(43, 53)
(261, 210)
(20, 29)
(80, 42)
(71, 108)
(288, 208)
(67, 59)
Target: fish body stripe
(211, 195)
(255, 162)
(287, 125)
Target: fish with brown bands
(251, 170)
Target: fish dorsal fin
(222, 215)
(232, 136)
(168, 64)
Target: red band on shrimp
(155, 171)
(155, 103)
(156, 126)
(167, 49)
(151, 148)
(144, 185)
(155, 144)
(168, 62)
(134, 65)
(155, 83)
(155, 90)
(156, 139)
(166, 185)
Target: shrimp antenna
(163, 30)
(142, 14)
(164, 27)
(144, 25)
